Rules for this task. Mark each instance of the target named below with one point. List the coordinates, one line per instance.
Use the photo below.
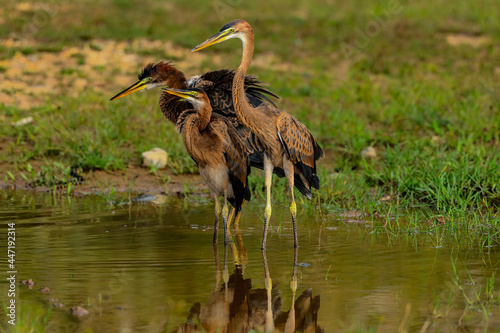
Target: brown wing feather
(300, 146)
(218, 87)
(235, 150)
(297, 140)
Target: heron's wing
(300, 146)
(236, 155)
(218, 86)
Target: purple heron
(288, 144)
(218, 87)
(213, 143)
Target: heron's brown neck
(205, 113)
(241, 104)
(170, 105)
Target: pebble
(156, 157)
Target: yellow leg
(293, 212)
(289, 170)
(217, 213)
(268, 174)
(232, 214)
(230, 217)
(237, 220)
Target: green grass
(30, 317)
(430, 109)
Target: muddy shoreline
(135, 180)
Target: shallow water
(144, 267)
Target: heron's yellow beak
(184, 94)
(217, 38)
(138, 86)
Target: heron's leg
(268, 174)
(217, 213)
(237, 218)
(289, 168)
(231, 216)
(225, 211)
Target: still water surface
(153, 268)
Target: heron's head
(195, 96)
(155, 75)
(234, 29)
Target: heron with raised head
(288, 144)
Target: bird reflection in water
(234, 306)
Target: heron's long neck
(205, 113)
(241, 104)
(170, 105)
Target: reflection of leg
(269, 324)
(217, 268)
(294, 276)
(236, 254)
(225, 273)
(293, 284)
(268, 174)
(243, 257)
(217, 213)
(290, 323)
(289, 170)
(224, 216)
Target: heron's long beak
(217, 38)
(138, 86)
(185, 94)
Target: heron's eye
(231, 29)
(148, 79)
